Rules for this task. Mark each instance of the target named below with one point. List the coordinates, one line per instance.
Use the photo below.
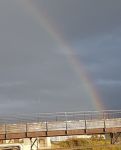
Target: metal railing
(60, 121)
(60, 116)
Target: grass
(94, 143)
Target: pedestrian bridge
(60, 124)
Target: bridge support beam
(114, 137)
(39, 143)
(34, 143)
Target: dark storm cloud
(93, 28)
(35, 75)
(101, 57)
(105, 48)
(83, 18)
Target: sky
(35, 74)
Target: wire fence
(61, 116)
(64, 121)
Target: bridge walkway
(59, 124)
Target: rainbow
(43, 20)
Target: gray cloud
(109, 82)
(81, 19)
(35, 75)
(101, 56)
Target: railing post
(104, 126)
(85, 123)
(26, 129)
(66, 122)
(5, 132)
(85, 126)
(46, 127)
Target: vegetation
(94, 143)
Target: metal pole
(5, 132)
(46, 127)
(111, 136)
(26, 129)
(85, 126)
(104, 126)
(66, 122)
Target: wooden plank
(15, 135)
(76, 132)
(2, 136)
(95, 131)
(56, 133)
(113, 130)
(36, 134)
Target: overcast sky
(36, 77)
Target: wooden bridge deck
(60, 127)
(44, 129)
